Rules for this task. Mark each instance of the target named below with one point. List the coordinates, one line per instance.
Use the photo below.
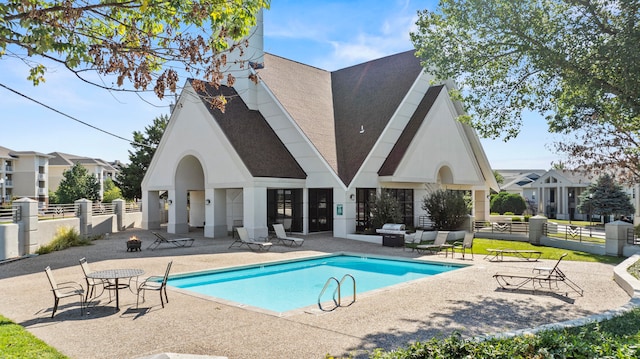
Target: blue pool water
(291, 285)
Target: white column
(178, 222)
(150, 210)
(305, 210)
(255, 211)
(209, 210)
(216, 213)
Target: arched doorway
(187, 206)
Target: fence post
(119, 209)
(85, 213)
(615, 237)
(536, 228)
(28, 225)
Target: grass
(480, 246)
(574, 223)
(17, 342)
(634, 270)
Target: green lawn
(17, 342)
(480, 246)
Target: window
(405, 200)
(285, 204)
(364, 196)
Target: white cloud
(389, 37)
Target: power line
(73, 118)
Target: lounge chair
(252, 244)
(497, 255)
(466, 244)
(539, 277)
(157, 283)
(236, 223)
(92, 282)
(413, 239)
(178, 242)
(64, 290)
(281, 236)
(438, 245)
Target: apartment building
(24, 174)
(33, 175)
(61, 162)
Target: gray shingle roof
(330, 108)
(367, 95)
(305, 93)
(66, 159)
(253, 139)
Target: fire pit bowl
(134, 244)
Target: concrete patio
(465, 300)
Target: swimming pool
(284, 286)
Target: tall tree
(78, 183)
(605, 197)
(142, 42)
(499, 177)
(129, 179)
(110, 191)
(573, 61)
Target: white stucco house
(307, 147)
(560, 190)
(520, 181)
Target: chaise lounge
(252, 244)
(497, 255)
(438, 245)
(281, 235)
(178, 242)
(539, 276)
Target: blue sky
(328, 34)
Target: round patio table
(115, 275)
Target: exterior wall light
(207, 201)
(170, 201)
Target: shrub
(516, 219)
(447, 208)
(385, 209)
(634, 270)
(526, 217)
(506, 203)
(508, 213)
(614, 338)
(65, 237)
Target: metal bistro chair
(156, 283)
(92, 282)
(64, 290)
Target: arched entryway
(187, 198)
